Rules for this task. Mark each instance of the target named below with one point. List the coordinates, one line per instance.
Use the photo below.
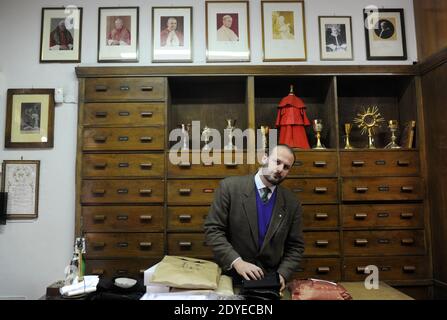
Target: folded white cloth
(148, 275)
(87, 285)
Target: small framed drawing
(385, 34)
(172, 34)
(20, 180)
(29, 118)
(227, 31)
(283, 31)
(118, 34)
(60, 35)
(335, 38)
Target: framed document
(335, 38)
(20, 180)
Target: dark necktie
(265, 194)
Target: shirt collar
(260, 184)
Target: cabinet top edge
(277, 70)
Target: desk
(358, 291)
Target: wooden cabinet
(137, 201)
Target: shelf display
(367, 121)
(317, 125)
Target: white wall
(33, 254)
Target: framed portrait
(385, 34)
(227, 31)
(172, 34)
(20, 180)
(335, 38)
(118, 34)
(283, 31)
(61, 35)
(29, 118)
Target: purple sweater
(265, 211)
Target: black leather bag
(266, 288)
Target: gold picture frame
(29, 118)
(20, 180)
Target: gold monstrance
(367, 121)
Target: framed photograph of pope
(335, 38)
(227, 31)
(172, 34)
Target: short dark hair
(285, 146)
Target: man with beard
(254, 225)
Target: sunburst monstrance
(367, 121)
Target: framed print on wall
(29, 118)
(283, 31)
(335, 38)
(61, 34)
(118, 34)
(227, 31)
(20, 180)
(172, 34)
(385, 34)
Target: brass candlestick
(206, 137)
(348, 128)
(317, 125)
(229, 129)
(265, 132)
(393, 126)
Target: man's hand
(247, 270)
(282, 281)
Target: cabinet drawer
(122, 191)
(379, 215)
(379, 163)
(319, 268)
(133, 268)
(398, 188)
(313, 190)
(123, 139)
(113, 114)
(124, 245)
(123, 165)
(314, 163)
(192, 191)
(320, 216)
(209, 166)
(187, 218)
(390, 268)
(131, 89)
(393, 242)
(123, 219)
(321, 243)
(188, 245)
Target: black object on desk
(266, 288)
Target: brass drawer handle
(408, 189)
(185, 191)
(124, 113)
(208, 190)
(146, 218)
(383, 215)
(409, 269)
(406, 215)
(146, 245)
(146, 139)
(146, 166)
(358, 163)
(320, 190)
(122, 191)
(122, 244)
(360, 216)
(380, 162)
(100, 165)
(297, 190)
(147, 88)
(100, 114)
(184, 165)
(383, 241)
(145, 192)
(122, 217)
(98, 245)
(298, 163)
(208, 164)
(122, 271)
(407, 242)
(124, 88)
(361, 189)
(321, 216)
(231, 165)
(360, 270)
(100, 139)
(323, 270)
(384, 188)
(123, 165)
(185, 244)
(361, 242)
(322, 243)
(98, 272)
(146, 114)
(300, 270)
(99, 192)
(185, 218)
(123, 138)
(99, 217)
(101, 88)
(403, 163)
(320, 164)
